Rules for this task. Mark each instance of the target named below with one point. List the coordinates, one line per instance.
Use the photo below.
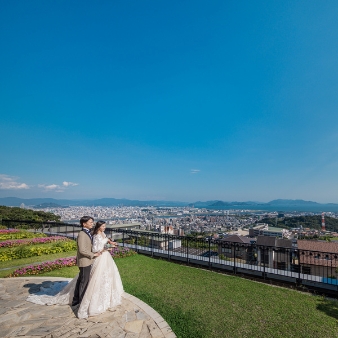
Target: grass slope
(198, 303)
(201, 304)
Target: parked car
(209, 254)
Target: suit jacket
(85, 256)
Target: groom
(84, 259)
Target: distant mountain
(43, 202)
(292, 202)
(48, 205)
(221, 203)
(275, 205)
(126, 202)
(16, 202)
(282, 205)
(277, 202)
(200, 204)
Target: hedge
(24, 251)
(32, 241)
(20, 235)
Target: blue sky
(169, 100)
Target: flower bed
(57, 264)
(8, 231)
(31, 241)
(18, 234)
(24, 251)
(43, 267)
(120, 252)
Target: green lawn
(198, 303)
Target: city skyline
(171, 101)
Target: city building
(262, 229)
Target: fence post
(299, 266)
(123, 238)
(264, 262)
(234, 245)
(209, 239)
(187, 240)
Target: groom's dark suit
(84, 259)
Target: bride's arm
(110, 241)
(97, 244)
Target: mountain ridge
(16, 201)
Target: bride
(104, 289)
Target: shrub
(225, 258)
(24, 251)
(40, 240)
(17, 234)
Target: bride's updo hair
(97, 226)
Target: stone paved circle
(18, 318)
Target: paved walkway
(18, 318)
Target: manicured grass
(201, 304)
(13, 264)
(70, 272)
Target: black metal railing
(286, 264)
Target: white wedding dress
(103, 292)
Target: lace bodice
(98, 242)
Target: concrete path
(18, 318)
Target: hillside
(26, 214)
(312, 222)
(275, 205)
(298, 202)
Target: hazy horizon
(180, 201)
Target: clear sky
(169, 100)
